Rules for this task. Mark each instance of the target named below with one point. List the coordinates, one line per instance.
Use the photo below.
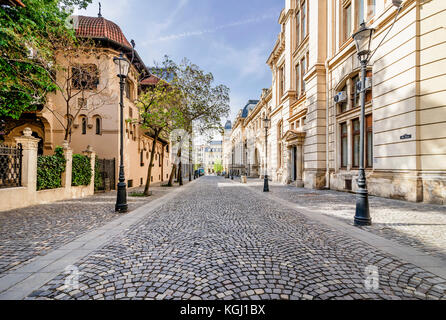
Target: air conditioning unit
(340, 97)
(368, 84)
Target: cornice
(348, 48)
(279, 48)
(317, 69)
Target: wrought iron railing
(10, 166)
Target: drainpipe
(327, 131)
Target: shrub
(50, 169)
(81, 170)
(97, 176)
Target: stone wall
(27, 195)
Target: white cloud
(214, 29)
(247, 62)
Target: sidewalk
(30, 232)
(418, 225)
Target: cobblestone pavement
(219, 240)
(418, 225)
(30, 232)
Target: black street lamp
(363, 39)
(266, 123)
(122, 69)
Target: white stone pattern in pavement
(229, 243)
(27, 233)
(418, 225)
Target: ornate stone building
(315, 138)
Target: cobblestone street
(218, 239)
(418, 225)
(34, 231)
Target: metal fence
(10, 166)
(107, 171)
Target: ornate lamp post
(122, 69)
(266, 123)
(363, 39)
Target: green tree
(218, 167)
(159, 111)
(27, 51)
(204, 104)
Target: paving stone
(191, 248)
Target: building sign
(406, 136)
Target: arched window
(84, 125)
(98, 126)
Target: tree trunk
(180, 174)
(149, 170)
(174, 168)
(67, 129)
(172, 173)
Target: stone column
(29, 161)
(68, 173)
(92, 155)
(289, 164)
(299, 165)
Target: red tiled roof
(152, 80)
(98, 27)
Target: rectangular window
(298, 78)
(279, 155)
(84, 125)
(368, 95)
(370, 9)
(303, 67)
(344, 144)
(347, 18)
(304, 19)
(128, 90)
(359, 13)
(343, 105)
(356, 142)
(369, 141)
(297, 28)
(356, 101)
(281, 81)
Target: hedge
(50, 169)
(97, 176)
(81, 172)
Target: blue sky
(230, 38)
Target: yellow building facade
(96, 114)
(314, 137)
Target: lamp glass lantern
(122, 66)
(266, 122)
(363, 41)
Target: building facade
(213, 156)
(315, 138)
(95, 113)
